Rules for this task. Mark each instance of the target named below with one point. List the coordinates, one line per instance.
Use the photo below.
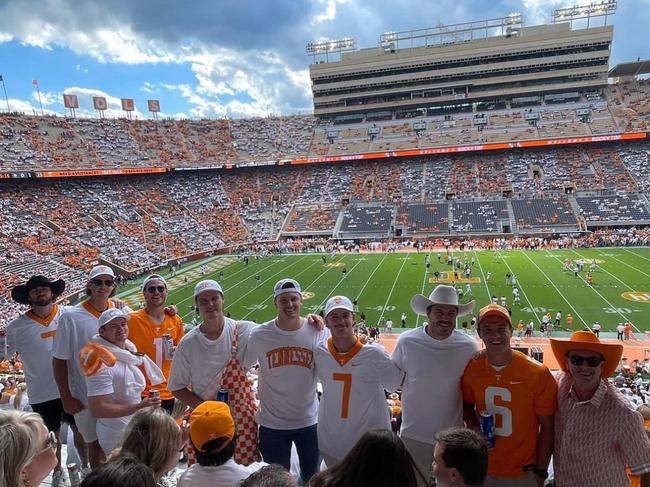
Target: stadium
(488, 155)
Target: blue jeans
(275, 446)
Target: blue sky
(215, 58)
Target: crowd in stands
(32, 143)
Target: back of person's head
(152, 436)
(19, 445)
(212, 433)
(465, 451)
(644, 409)
(273, 475)
(379, 459)
(123, 471)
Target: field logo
(637, 297)
(307, 295)
(334, 264)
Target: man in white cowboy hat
(354, 377)
(521, 395)
(596, 433)
(433, 358)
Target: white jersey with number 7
(353, 400)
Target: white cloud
(329, 13)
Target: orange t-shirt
(146, 335)
(515, 395)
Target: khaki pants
(422, 454)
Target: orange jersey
(515, 395)
(146, 335)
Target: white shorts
(87, 425)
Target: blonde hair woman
(154, 438)
(27, 449)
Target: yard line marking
(340, 281)
(392, 289)
(487, 288)
(271, 297)
(272, 264)
(558, 291)
(603, 297)
(532, 308)
(424, 281)
(631, 266)
(634, 253)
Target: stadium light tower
(598, 9)
(330, 46)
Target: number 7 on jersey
(347, 389)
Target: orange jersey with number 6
(515, 395)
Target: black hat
(20, 293)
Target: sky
(218, 58)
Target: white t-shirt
(353, 399)
(24, 402)
(33, 341)
(431, 395)
(287, 380)
(125, 385)
(197, 360)
(226, 475)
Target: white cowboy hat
(441, 295)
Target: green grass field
(385, 283)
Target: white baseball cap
(151, 278)
(100, 270)
(286, 286)
(109, 315)
(338, 302)
(207, 285)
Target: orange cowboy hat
(586, 340)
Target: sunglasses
(153, 289)
(99, 282)
(592, 361)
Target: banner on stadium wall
(99, 102)
(100, 172)
(473, 148)
(154, 105)
(70, 101)
(127, 104)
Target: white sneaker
(58, 479)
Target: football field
(383, 284)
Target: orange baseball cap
(494, 310)
(209, 421)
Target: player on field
(515, 295)
(147, 330)
(77, 326)
(284, 348)
(433, 358)
(354, 377)
(521, 396)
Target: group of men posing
(575, 416)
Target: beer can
(486, 423)
(154, 393)
(222, 395)
(168, 346)
(74, 473)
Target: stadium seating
(479, 217)
(543, 213)
(614, 209)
